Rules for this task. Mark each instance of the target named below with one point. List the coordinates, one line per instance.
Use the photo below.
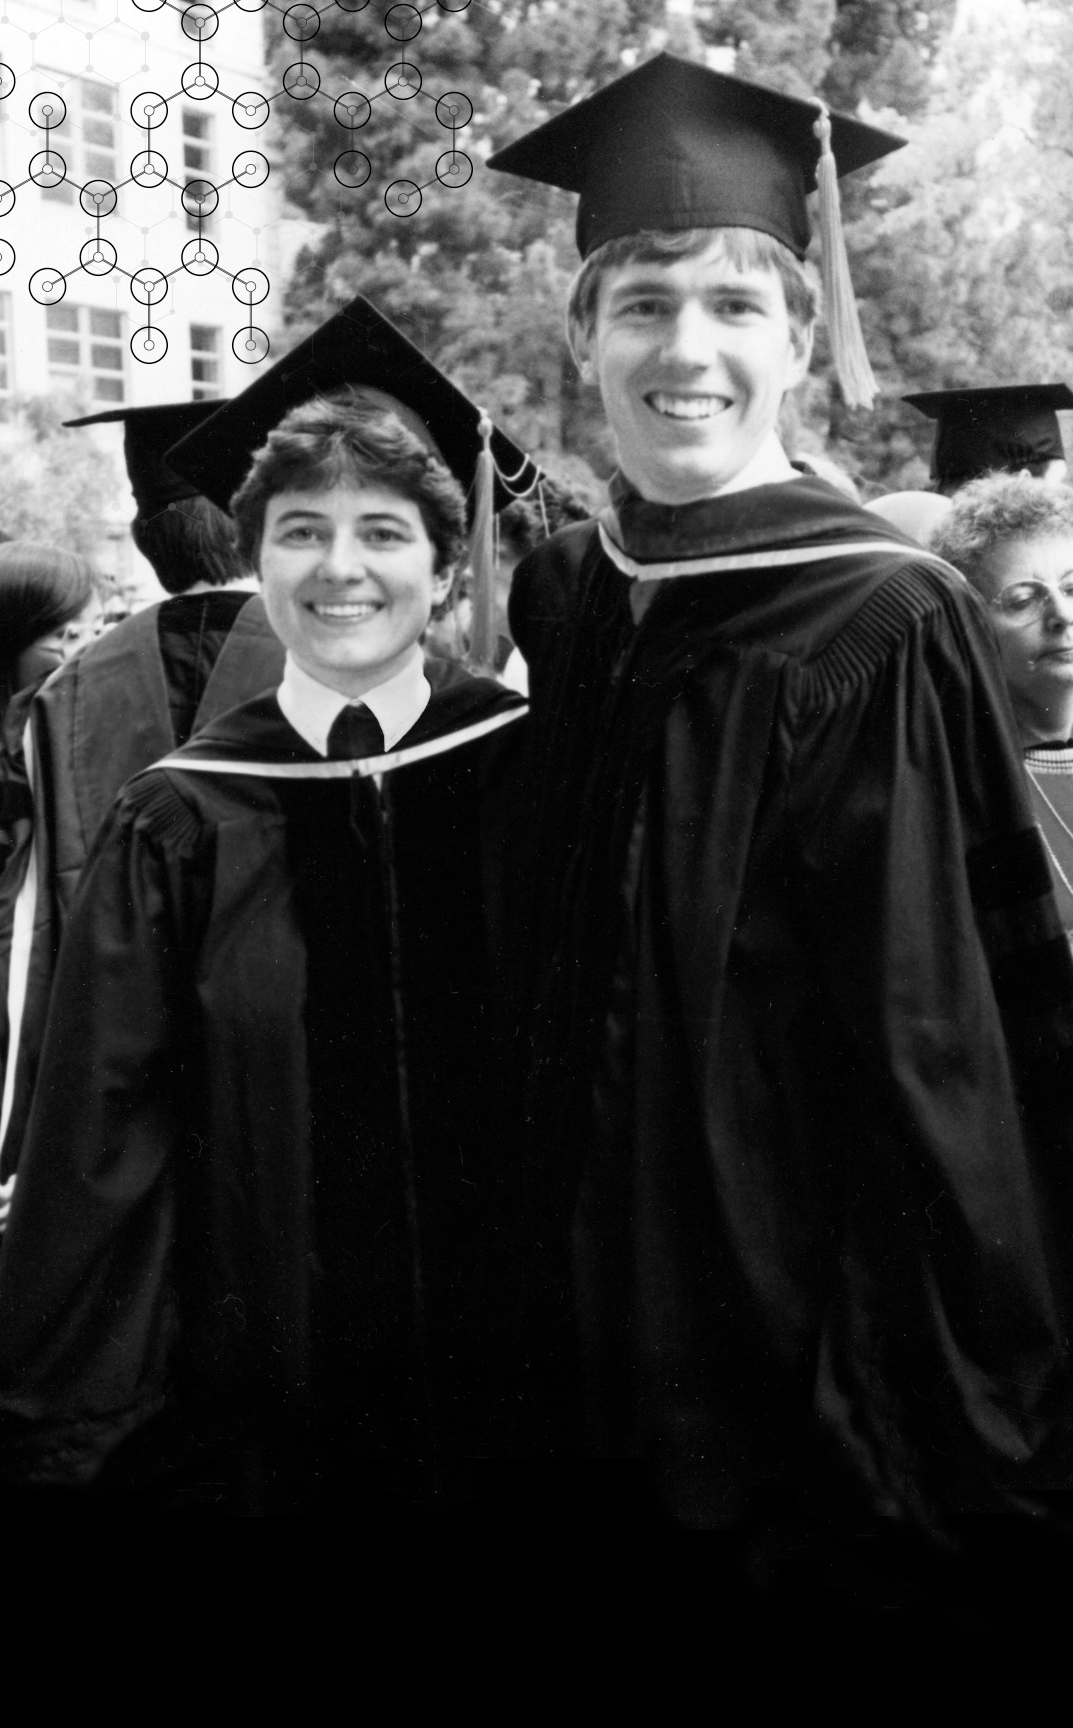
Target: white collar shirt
(312, 708)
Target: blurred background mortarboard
(674, 145)
(147, 434)
(1009, 427)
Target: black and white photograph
(536, 784)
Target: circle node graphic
(149, 345)
(7, 85)
(199, 23)
(148, 286)
(250, 109)
(250, 168)
(7, 256)
(47, 286)
(149, 168)
(352, 168)
(200, 198)
(453, 5)
(149, 109)
(48, 109)
(150, 5)
(200, 81)
(454, 169)
(47, 168)
(200, 257)
(98, 198)
(301, 22)
(403, 198)
(454, 109)
(402, 22)
(250, 345)
(98, 257)
(352, 109)
(7, 198)
(352, 5)
(402, 80)
(251, 286)
(301, 81)
(251, 5)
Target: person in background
(801, 1007)
(1009, 429)
(130, 698)
(1012, 538)
(261, 1220)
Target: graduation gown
(802, 1025)
(122, 704)
(261, 1187)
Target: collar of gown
(803, 512)
(312, 708)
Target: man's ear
(801, 343)
(581, 347)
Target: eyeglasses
(1025, 602)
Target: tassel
(844, 326)
(482, 639)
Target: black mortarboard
(147, 433)
(358, 345)
(674, 145)
(1009, 426)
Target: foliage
(55, 485)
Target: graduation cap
(674, 145)
(358, 346)
(147, 433)
(1011, 427)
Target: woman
(260, 1205)
(1012, 537)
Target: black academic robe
(262, 1190)
(123, 703)
(801, 1084)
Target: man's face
(692, 359)
(349, 582)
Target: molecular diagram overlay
(98, 198)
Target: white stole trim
(711, 565)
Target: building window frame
(205, 350)
(86, 345)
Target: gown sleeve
(923, 882)
(86, 1304)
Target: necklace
(1064, 827)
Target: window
(85, 346)
(204, 361)
(6, 380)
(197, 154)
(86, 138)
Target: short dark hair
(42, 588)
(345, 437)
(989, 512)
(746, 248)
(191, 541)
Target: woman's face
(48, 652)
(349, 582)
(1034, 579)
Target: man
(803, 1008)
(132, 696)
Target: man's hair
(191, 541)
(346, 439)
(988, 513)
(745, 248)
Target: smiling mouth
(348, 611)
(687, 407)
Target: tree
(54, 484)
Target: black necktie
(355, 732)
